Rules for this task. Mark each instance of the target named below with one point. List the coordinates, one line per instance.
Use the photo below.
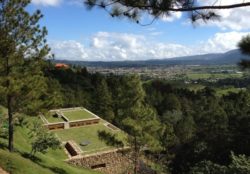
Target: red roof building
(62, 65)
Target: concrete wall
(114, 162)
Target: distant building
(62, 65)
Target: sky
(76, 33)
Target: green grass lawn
(89, 133)
(77, 115)
(3, 112)
(52, 119)
(49, 163)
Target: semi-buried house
(78, 129)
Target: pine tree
(138, 120)
(244, 46)
(22, 51)
(103, 105)
(42, 139)
(134, 10)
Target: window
(98, 166)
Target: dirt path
(2, 171)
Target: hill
(228, 58)
(21, 163)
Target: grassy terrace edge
(49, 163)
(89, 133)
(78, 115)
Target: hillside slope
(20, 162)
(229, 58)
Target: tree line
(182, 129)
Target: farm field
(196, 76)
(226, 91)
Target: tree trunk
(11, 127)
(136, 156)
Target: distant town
(175, 72)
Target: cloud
(157, 33)
(222, 42)
(70, 50)
(234, 19)
(47, 2)
(107, 46)
(171, 17)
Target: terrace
(89, 134)
(78, 114)
(79, 129)
(68, 118)
(52, 117)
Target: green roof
(77, 114)
(90, 134)
(52, 118)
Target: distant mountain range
(228, 58)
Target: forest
(185, 131)
(173, 129)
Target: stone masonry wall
(83, 122)
(116, 162)
(53, 126)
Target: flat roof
(53, 118)
(90, 134)
(78, 114)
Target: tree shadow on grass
(31, 157)
(3, 145)
(39, 162)
(58, 170)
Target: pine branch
(181, 9)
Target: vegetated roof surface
(90, 133)
(77, 114)
(52, 118)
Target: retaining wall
(71, 150)
(84, 122)
(67, 125)
(114, 162)
(53, 126)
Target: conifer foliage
(23, 49)
(134, 10)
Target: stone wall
(70, 148)
(113, 162)
(67, 125)
(53, 126)
(84, 122)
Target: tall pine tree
(22, 51)
(103, 104)
(138, 119)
